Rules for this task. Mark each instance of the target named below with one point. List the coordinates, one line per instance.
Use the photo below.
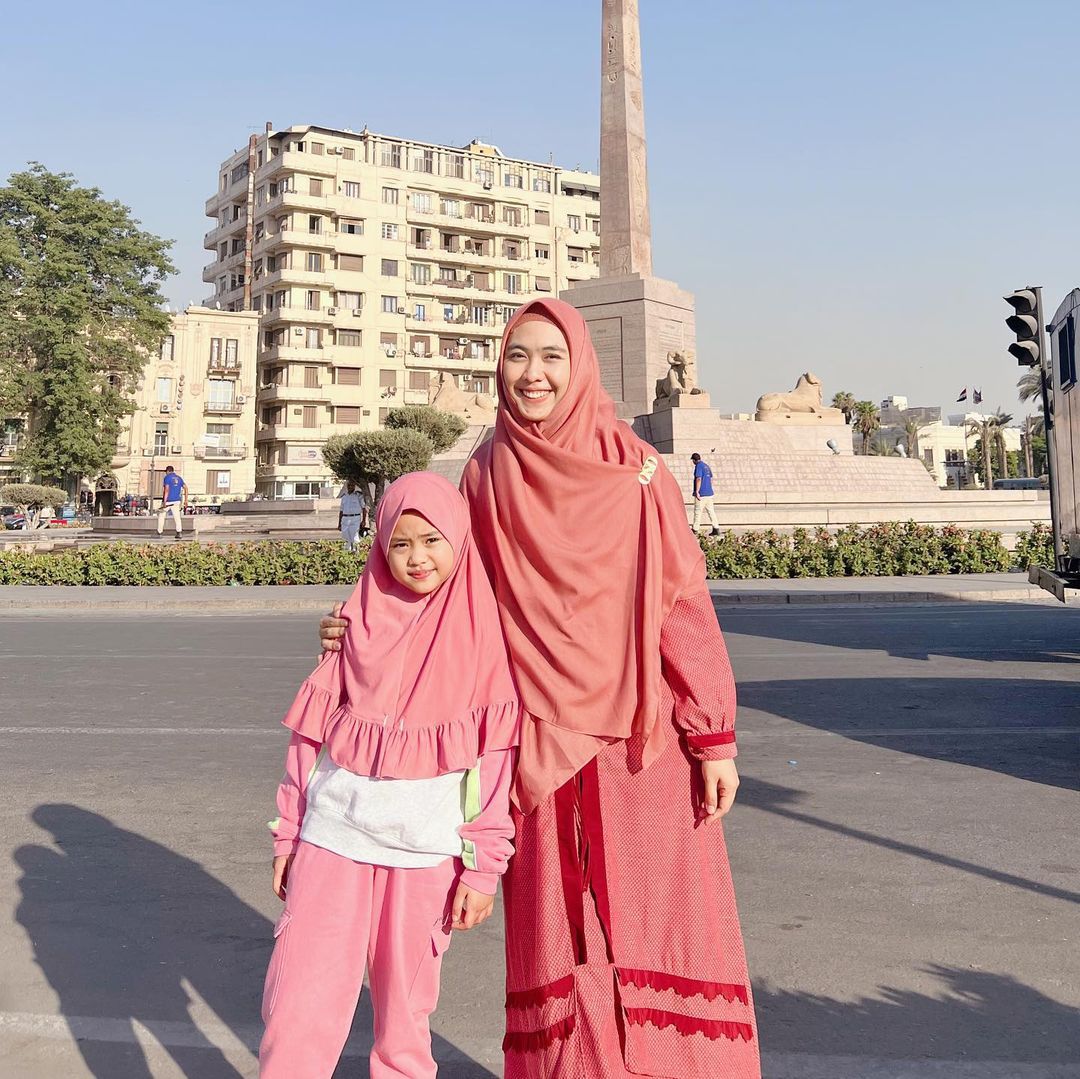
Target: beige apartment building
(195, 409)
(376, 265)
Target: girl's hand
(721, 783)
(332, 629)
(282, 865)
(470, 907)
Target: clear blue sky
(847, 186)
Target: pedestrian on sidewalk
(350, 514)
(394, 824)
(703, 494)
(623, 950)
(174, 493)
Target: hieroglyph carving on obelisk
(626, 234)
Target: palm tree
(989, 431)
(911, 436)
(1030, 384)
(882, 447)
(867, 422)
(845, 402)
(1001, 421)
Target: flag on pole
(978, 397)
(963, 394)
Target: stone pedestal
(634, 322)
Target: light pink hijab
(585, 534)
(422, 685)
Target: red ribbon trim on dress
(685, 987)
(688, 1024)
(533, 998)
(532, 1041)
(706, 741)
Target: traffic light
(1026, 322)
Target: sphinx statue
(802, 405)
(681, 378)
(445, 394)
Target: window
(575, 254)
(218, 481)
(389, 231)
(512, 282)
(219, 435)
(511, 249)
(484, 174)
(422, 160)
(418, 346)
(161, 438)
(593, 224)
(1066, 342)
(310, 416)
(347, 376)
(349, 414)
(542, 183)
(387, 379)
(350, 301)
(389, 305)
(312, 299)
(389, 268)
(383, 413)
(314, 186)
(420, 312)
(451, 207)
(390, 157)
(447, 273)
(419, 380)
(542, 217)
(314, 224)
(318, 147)
(351, 227)
(348, 153)
(455, 166)
(350, 189)
(313, 262)
(422, 202)
(351, 262)
(312, 338)
(420, 273)
(481, 280)
(573, 221)
(513, 178)
(542, 251)
(164, 390)
(512, 215)
(348, 338)
(221, 392)
(167, 348)
(543, 284)
(390, 196)
(420, 238)
(311, 378)
(448, 312)
(388, 340)
(232, 352)
(215, 351)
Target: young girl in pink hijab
(394, 819)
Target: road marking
(212, 1033)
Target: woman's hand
(721, 783)
(332, 629)
(282, 865)
(471, 907)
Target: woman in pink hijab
(623, 948)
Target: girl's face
(536, 369)
(420, 557)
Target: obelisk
(636, 320)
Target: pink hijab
(585, 534)
(422, 685)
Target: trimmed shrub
(1035, 548)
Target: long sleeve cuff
(488, 883)
(712, 747)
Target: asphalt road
(905, 846)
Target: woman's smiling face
(536, 369)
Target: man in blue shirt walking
(173, 496)
(703, 494)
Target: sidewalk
(985, 588)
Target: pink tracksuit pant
(342, 916)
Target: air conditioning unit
(298, 331)
(166, 408)
(390, 350)
(487, 185)
(357, 313)
(339, 150)
(401, 310)
(177, 449)
(241, 398)
(462, 340)
(148, 453)
(331, 310)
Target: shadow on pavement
(118, 922)
(941, 718)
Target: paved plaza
(905, 845)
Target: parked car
(13, 520)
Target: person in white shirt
(350, 514)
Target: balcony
(220, 367)
(299, 236)
(323, 316)
(311, 395)
(223, 408)
(296, 200)
(212, 238)
(232, 451)
(295, 354)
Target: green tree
(845, 402)
(80, 309)
(31, 499)
(443, 428)
(377, 457)
(912, 428)
(989, 432)
(1029, 384)
(867, 421)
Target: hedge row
(876, 551)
